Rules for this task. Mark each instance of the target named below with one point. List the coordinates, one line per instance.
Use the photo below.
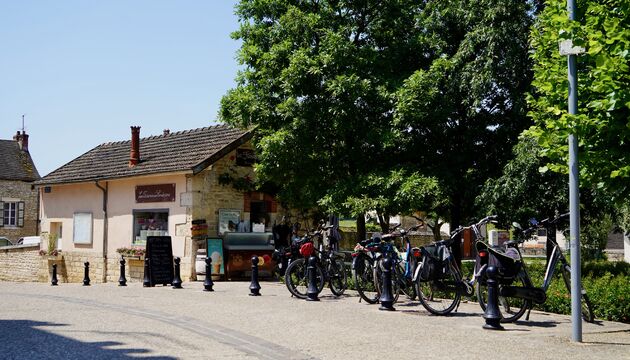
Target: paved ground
(104, 321)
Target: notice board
(160, 255)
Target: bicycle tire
(363, 274)
(587, 306)
(378, 280)
(296, 278)
(338, 280)
(511, 308)
(440, 296)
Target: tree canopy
(602, 125)
(401, 105)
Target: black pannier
(433, 267)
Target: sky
(83, 72)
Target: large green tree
(603, 123)
(461, 112)
(381, 103)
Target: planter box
(54, 257)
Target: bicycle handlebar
(481, 222)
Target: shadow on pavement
(541, 324)
(23, 340)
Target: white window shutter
(20, 217)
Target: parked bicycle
(515, 299)
(403, 264)
(438, 279)
(329, 267)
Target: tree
(522, 192)
(352, 99)
(603, 123)
(459, 112)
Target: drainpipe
(104, 190)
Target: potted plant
(51, 253)
(132, 253)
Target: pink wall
(64, 200)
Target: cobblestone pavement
(104, 321)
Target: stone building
(117, 194)
(18, 196)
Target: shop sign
(155, 193)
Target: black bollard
(54, 281)
(177, 281)
(122, 280)
(311, 273)
(492, 314)
(208, 284)
(146, 282)
(387, 299)
(254, 286)
(86, 277)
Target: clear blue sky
(84, 71)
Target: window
(12, 213)
(149, 223)
(82, 228)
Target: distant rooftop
(188, 150)
(16, 164)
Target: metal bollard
(254, 286)
(122, 281)
(86, 276)
(146, 282)
(387, 299)
(311, 272)
(54, 281)
(177, 281)
(492, 314)
(207, 283)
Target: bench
(241, 247)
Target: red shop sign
(155, 193)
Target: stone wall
(134, 270)
(20, 263)
(71, 267)
(20, 191)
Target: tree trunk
(361, 232)
(383, 220)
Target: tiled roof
(16, 164)
(178, 151)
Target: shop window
(12, 213)
(149, 223)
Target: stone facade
(20, 263)
(16, 191)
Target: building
(18, 196)
(117, 194)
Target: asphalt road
(104, 321)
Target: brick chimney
(22, 139)
(134, 156)
(166, 132)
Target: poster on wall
(228, 220)
(215, 252)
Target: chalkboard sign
(160, 255)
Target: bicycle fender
(417, 272)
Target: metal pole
(574, 198)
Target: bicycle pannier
(432, 265)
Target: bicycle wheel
(338, 280)
(441, 295)
(511, 308)
(378, 279)
(363, 274)
(587, 307)
(297, 281)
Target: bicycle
(329, 268)
(438, 279)
(403, 266)
(528, 291)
